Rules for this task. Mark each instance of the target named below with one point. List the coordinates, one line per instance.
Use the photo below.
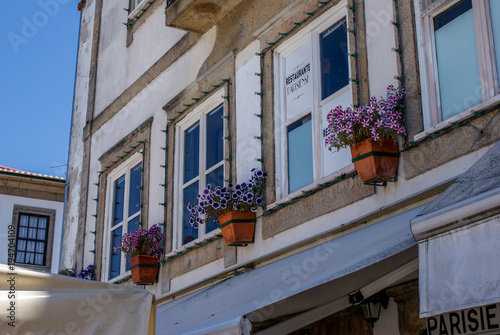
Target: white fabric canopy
(43, 303)
(306, 281)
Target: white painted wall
(388, 323)
(7, 204)
(380, 40)
(148, 103)
(248, 148)
(120, 66)
(116, 73)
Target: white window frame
(136, 8)
(197, 115)
(428, 65)
(123, 169)
(311, 33)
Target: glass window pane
(334, 59)
(30, 258)
(41, 235)
(191, 152)
(32, 233)
(23, 220)
(21, 245)
(189, 233)
(135, 192)
(23, 232)
(495, 23)
(300, 157)
(214, 178)
(456, 52)
(39, 259)
(133, 225)
(214, 140)
(115, 256)
(42, 222)
(33, 221)
(30, 246)
(20, 257)
(118, 200)
(40, 247)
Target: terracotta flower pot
(237, 228)
(144, 269)
(375, 161)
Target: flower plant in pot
(234, 207)
(143, 247)
(371, 132)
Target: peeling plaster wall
(148, 103)
(75, 161)
(119, 65)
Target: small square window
(34, 235)
(124, 207)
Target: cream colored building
(227, 86)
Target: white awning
(302, 285)
(44, 303)
(458, 235)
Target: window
(200, 158)
(124, 211)
(34, 236)
(458, 60)
(312, 78)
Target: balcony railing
(197, 15)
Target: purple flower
(219, 200)
(142, 241)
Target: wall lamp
(370, 306)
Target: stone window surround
(110, 159)
(324, 21)
(219, 76)
(51, 213)
(145, 10)
(285, 215)
(122, 169)
(428, 72)
(212, 102)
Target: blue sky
(38, 51)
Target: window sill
(121, 278)
(40, 268)
(330, 179)
(493, 102)
(208, 238)
(139, 10)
